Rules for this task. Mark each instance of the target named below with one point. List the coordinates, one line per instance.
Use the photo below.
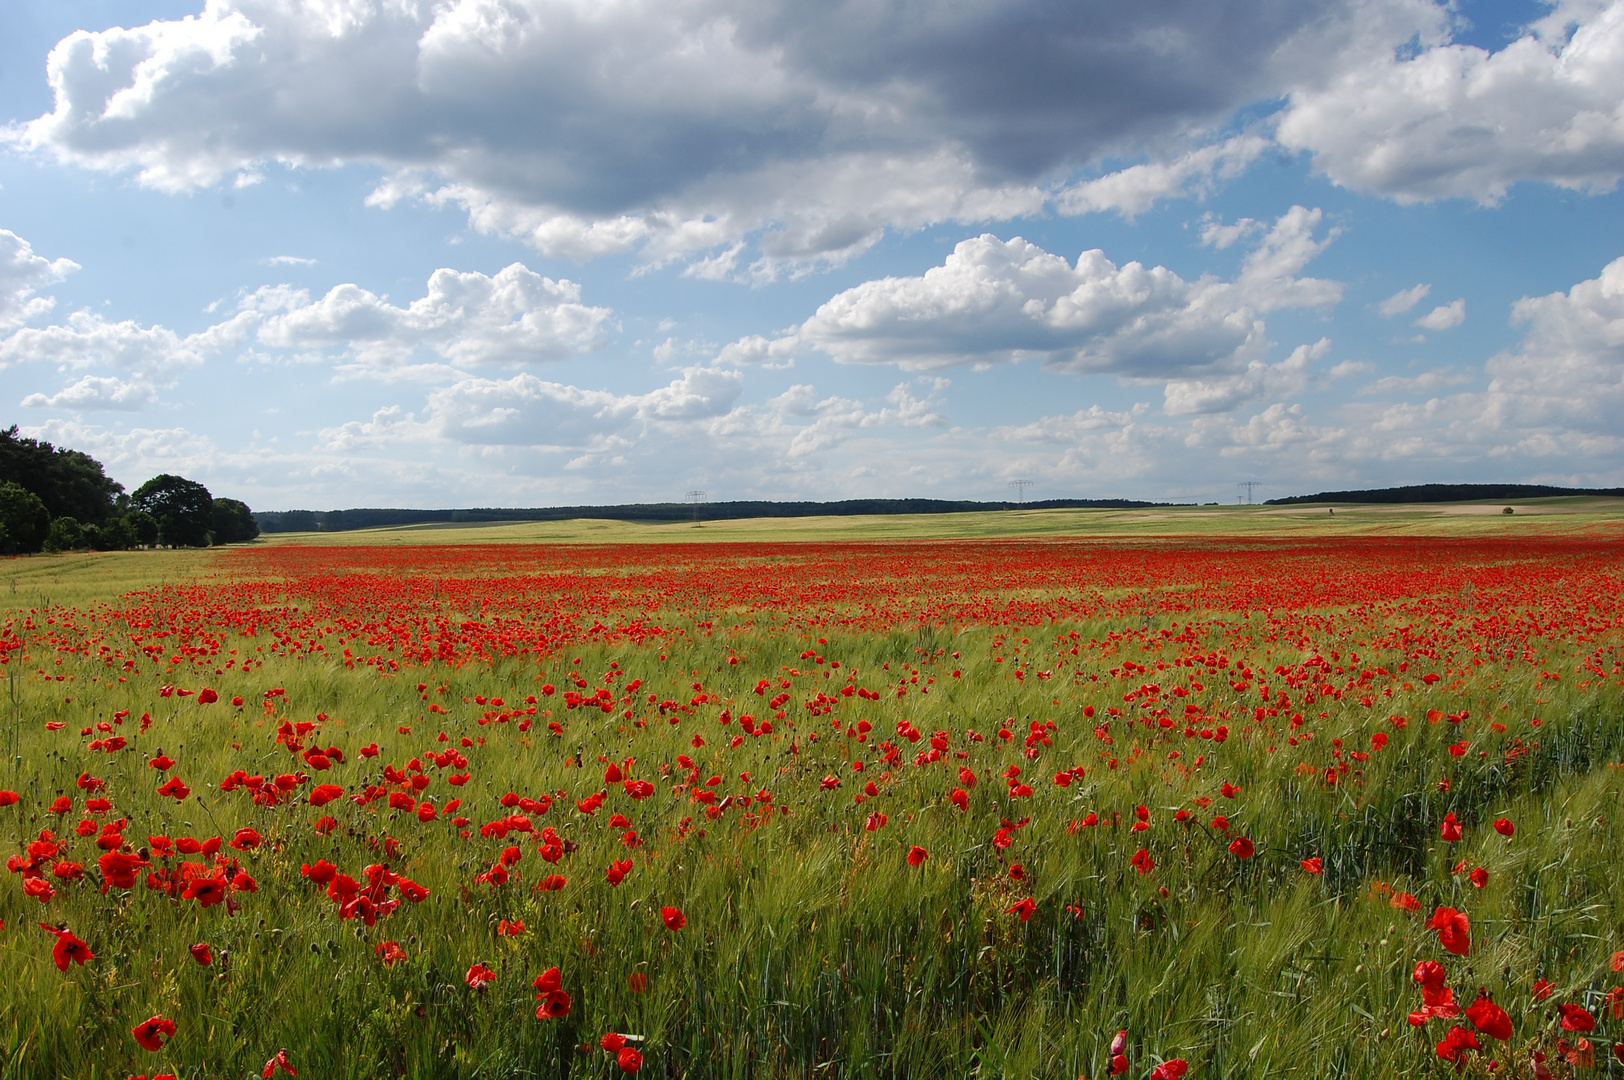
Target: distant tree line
(276, 521)
(56, 499)
(1438, 493)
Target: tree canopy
(68, 482)
(183, 509)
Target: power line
(1250, 486)
(1020, 487)
(695, 497)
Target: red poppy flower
(152, 1033)
(637, 982)
(207, 891)
(555, 1005)
(245, 839)
(1454, 930)
(1576, 1018)
(389, 952)
(629, 1060)
(673, 918)
(1229, 791)
(1142, 861)
(917, 856)
(202, 953)
(209, 697)
(1024, 909)
(69, 949)
(175, 789)
(960, 798)
(478, 976)
(1171, 1070)
(322, 794)
(280, 1061)
(1504, 827)
(1119, 1053)
(1314, 865)
(1456, 1043)
(1479, 877)
(1488, 1017)
(1542, 989)
(1450, 829)
(612, 1042)
(1241, 848)
(9, 798)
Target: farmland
(486, 803)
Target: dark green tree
(143, 526)
(183, 509)
(233, 522)
(24, 521)
(65, 534)
(67, 482)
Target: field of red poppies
(1157, 808)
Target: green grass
(812, 948)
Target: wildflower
(1488, 1017)
(629, 1060)
(280, 1061)
(1024, 909)
(69, 949)
(555, 1003)
(478, 976)
(673, 918)
(1576, 1018)
(1504, 827)
(1450, 829)
(1142, 861)
(201, 953)
(1314, 865)
(389, 952)
(1454, 930)
(1241, 848)
(1119, 1053)
(1455, 1043)
(917, 856)
(150, 1034)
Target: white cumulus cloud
(997, 301)
(96, 392)
(1403, 300)
(1456, 120)
(465, 317)
(1444, 316)
(676, 127)
(22, 274)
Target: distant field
(1270, 793)
(1531, 515)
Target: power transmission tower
(695, 497)
(1020, 487)
(1250, 486)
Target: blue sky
(331, 253)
